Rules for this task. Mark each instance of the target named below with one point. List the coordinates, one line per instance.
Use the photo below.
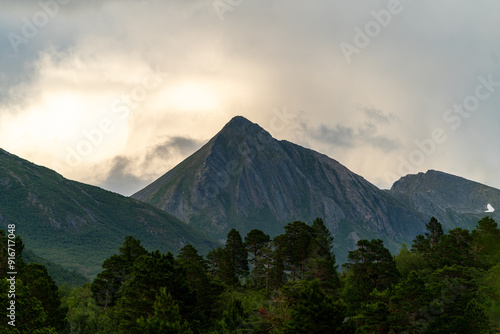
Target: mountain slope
(244, 179)
(59, 274)
(78, 225)
(455, 201)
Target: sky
(116, 93)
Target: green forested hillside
(59, 273)
(445, 283)
(78, 225)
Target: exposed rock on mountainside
(243, 178)
(455, 201)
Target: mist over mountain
(77, 225)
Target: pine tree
(435, 232)
(18, 247)
(406, 300)
(206, 286)
(427, 244)
(41, 286)
(150, 273)
(295, 247)
(486, 243)
(254, 241)
(237, 252)
(166, 317)
(263, 272)
(453, 248)
(371, 266)
(222, 266)
(315, 312)
(322, 263)
(117, 270)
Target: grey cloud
(353, 137)
(173, 146)
(378, 115)
(286, 52)
(120, 174)
(120, 179)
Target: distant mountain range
(243, 178)
(78, 225)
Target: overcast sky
(116, 93)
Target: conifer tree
(206, 286)
(315, 312)
(322, 263)
(222, 266)
(371, 267)
(166, 318)
(486, 243)
(237, 252)
(254, 241)
(150, 273)
(295, 247)
(40, 286)
(117, 269)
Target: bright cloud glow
(264, 56)
(188, 96)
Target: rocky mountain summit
(455, 201)
(243, 178)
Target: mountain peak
(242, 125)
(240, 129)
(238, 122)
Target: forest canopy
(442, 283)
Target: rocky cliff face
(244, 179)
(455, 201)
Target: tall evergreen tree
(315, 312)
(206, 286)
(295, 247)
(117, 269)
(322, 263)
(371, 267)
(17, 246)
(486, 243)
(254, 241)
(237, 252)
(426, 244)
(435, 233)
(150, 273)
(41, 286)
(166, 317)
(453, 248)
(265, 267)
(222, 266)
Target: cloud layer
(115, 93)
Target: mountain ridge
(454, 200)
(78, 225)
(243, 178)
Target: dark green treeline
(444, 283)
